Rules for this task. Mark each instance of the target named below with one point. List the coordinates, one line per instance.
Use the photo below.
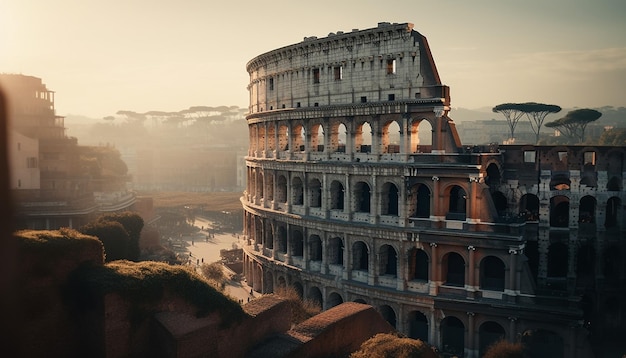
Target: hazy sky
(140, 55)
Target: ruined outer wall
(373, 65)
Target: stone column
(469, 346)
(438, 208)
(512, 329)
(324, 266)
(473, 200)
(288, 248)
(346, 257)
(471, 273)
(511, 288)
(435, 270)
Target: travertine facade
(348, 200)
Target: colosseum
(359, 189)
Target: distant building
(459, 246)
(49, 185)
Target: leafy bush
(302, 309)
(113, 236)
(385, 345)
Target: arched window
(336, 195)
(418, 326)
(613, 212)
(281, 189)
(297, 191)
(360, 256)
(317, 138)
(315, 193)
(315, 296)
(492, 274)
(282, 239)
(529, 207)
(421, 136)
(452, 336)
(454, 265)
(587, 210)
(418, 265)
(389, 199)
(334, 299)
(297, 243)
(315, 251)
(388, 260)
(457, 203)
(559, 211)
(363, 138)
(493, 175)
(388, 314)
(390, 140)
(335, 251)
(362, 197)
(423, 202)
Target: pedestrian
(203, 260)
(248, 299)
(197, 261)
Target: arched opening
(390, 140)
(422, 201)
(297, 140)
(613, 212)
(388, 261)
(281, 189)
(493, 175)
(315, 296)
(389, 199)
(452, 336)
(269, 186)
(336, 195)
(587, 210)
(261, 138)
(259, 184)
(315, 193)
(258, 231)
(281, 239)
(297, 191)
(335, 251)
(268, 237)
(559, 211)
(557, 260)
(360, 300)
(362, 197)
(297, 286)
(421, 136)
(529, 207)
(488, 334)
(297, 240)
(271, 135)
(388, 314)
(334, 299)
(282, 283)
(457, 203)
(418, 265)
(315, 251)
(363, 138)
(418, 326)
(360, 256)
(338, 138)
(492, 274)
(454, 267)
(317, 138)
(283, 138)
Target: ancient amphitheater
(359, 189)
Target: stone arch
(315, 250)
(418, 265)
(613, 212)
(297, 286)
(453, 266)
(420, 201)
(362, 197)
(297, 191)
(494, 176)
(337, 194)
(297, 138)
(253, 139)
(268, 236)
(418, 326)
(457, 202)
(281, 238)
(363, 138)
(492, 274)
(259, 184)
(388, 264)
(317, 138)
(489, 333)
(389, 314)
(335, 251)
(282, 282)
(559, 211)
(390, 141)
(389, 199)
(257, 282)
(283, 137)
(452, 336)
(529, 207)
(281, 189)
(271, 137)
(338, 137)
(587, 209)
(261, 137)
(315, 193)
(315, 296)
(360, 256)
(360, 300)
(297, 243)
(269, 185)
(334, 299)
(258, 231)
(421, 136)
